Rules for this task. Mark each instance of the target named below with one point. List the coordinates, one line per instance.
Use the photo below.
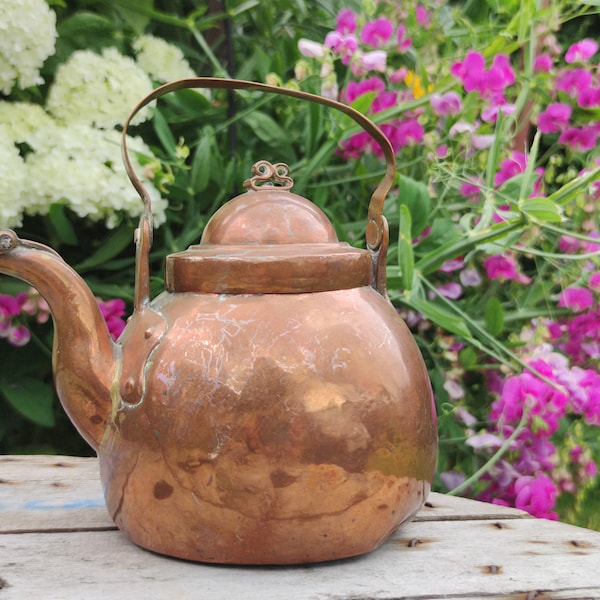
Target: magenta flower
(571, 245)
(503, 267)
(403, 42)
(576, 298)
(572, 81)
(422, 16)
(595, 281)
(407, 133)
(377, 33)
(579, 139)
(555, 118)
(589, 97)
(446, 104)
(581, 51)
(536, 495)
(19, 335)
(358, 88)
(471, 189)
(490, 83)
(343, 45)
(345, 22)
(543, 63)
(113, 311)
(510, 167)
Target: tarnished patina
(270, 406)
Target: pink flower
(343, 45)
(510, 167)
(571, 245)
(373, 61)
(555, 118)
(490, 114)
(422, 16)
(471, 189)
(345, 22)
(19, 335)
(581, 51)
(504, 267)
(475, 77)
(311, 49)
(543, 63)
(446, 104)
(579, 139)
(536, 495)
(407, 133)
(9, 307)
(450, 290)
(481, 142)
(572, 81)
(595, 281)
(376, 33)
(356, 89)
(589, 97)
(441, 151)
(576, 298)
(452, 265)
(470, 277)
(113, 311)
(403, 42)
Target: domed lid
(268, 240)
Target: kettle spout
(84, 358)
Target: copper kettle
(270, 406)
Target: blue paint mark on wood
(50, 505)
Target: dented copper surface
(270, 406)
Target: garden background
(493, 109)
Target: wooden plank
(61, 493)
(51, 493)
(517, 559)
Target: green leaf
(112, 245)
(135, 12)
(201, 164)
(542, 209)
(415, 195)
(31, 398)
(405, 250)
(440, 316)
(468, 358)
(61, 224)
(161, 127)
(266, 129)
(494, 316)
(363, 103)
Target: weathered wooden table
(57, 542)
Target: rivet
(129, 385)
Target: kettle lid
(268, 240)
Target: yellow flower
(415, 82)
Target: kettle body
(287, 432)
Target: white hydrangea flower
(27, 39)
(22, 119)
(161, 60)
(82, 167)
(12, 182)
(98, 90)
